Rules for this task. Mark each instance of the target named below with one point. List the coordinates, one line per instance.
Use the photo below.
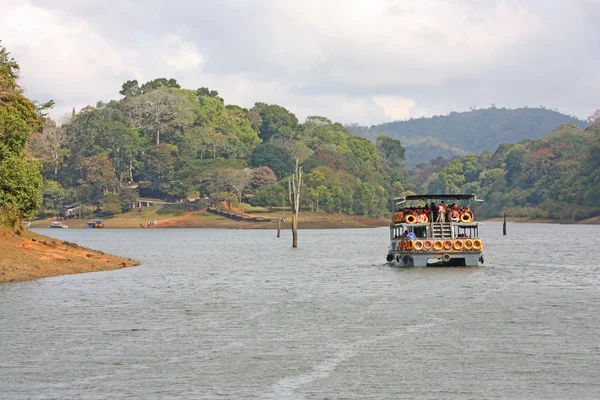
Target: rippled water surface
(235, 314)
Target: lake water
(239, 314)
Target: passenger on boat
(468, 211)
(411, 235)
(441, 212)
(454, 213)
(433, 211)
(405, 233)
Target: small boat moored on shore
(435, 230)
(57, 224)
(95, 224)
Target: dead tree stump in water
(294, 192)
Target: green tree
(276, 122)
(269, 195)
(130, 88)
(279, 160)
(20, 184)
(159, 83)
(391, 150)
(159, 168)
(111, 204)
(53, 195)
(99, 175)
(206, 92)
(20, 177)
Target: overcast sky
(364, 61)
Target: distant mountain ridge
(470, 132)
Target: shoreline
(524, 220)
(204, 219)
(32, 256)
(198, 220)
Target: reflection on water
(240, 314)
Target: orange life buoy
(447, 244)
(418, 245)
(411, 219)
(424, 218)
(458, 245)
(466, 218)
(400, 245)
(408, 245)
(477, 244)
(438, 245)
(427, 245)
(468, 244)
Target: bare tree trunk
(56, 160)
(294, 193)
(278, 227)
(157, 136)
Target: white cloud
(396, 108)
(352, 60)
(178, 53)
(58, 59)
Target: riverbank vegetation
(554, 178)
(165, 142)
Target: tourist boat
(419, 238)
(95, 224)
(57, 224)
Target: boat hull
(455, 259)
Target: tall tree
(48, 146)
(279, 160)
(159, 83)
(20, 178)
(130, 88)
(276, 122)
(159, 110)
(206, 92)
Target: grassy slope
(33, 256)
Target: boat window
(420, 231)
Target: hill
(471, 132)
(553, 178)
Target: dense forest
(555, 177)
(471, 132)
(172, 143)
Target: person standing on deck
(441, 212)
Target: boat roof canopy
(436, 197)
